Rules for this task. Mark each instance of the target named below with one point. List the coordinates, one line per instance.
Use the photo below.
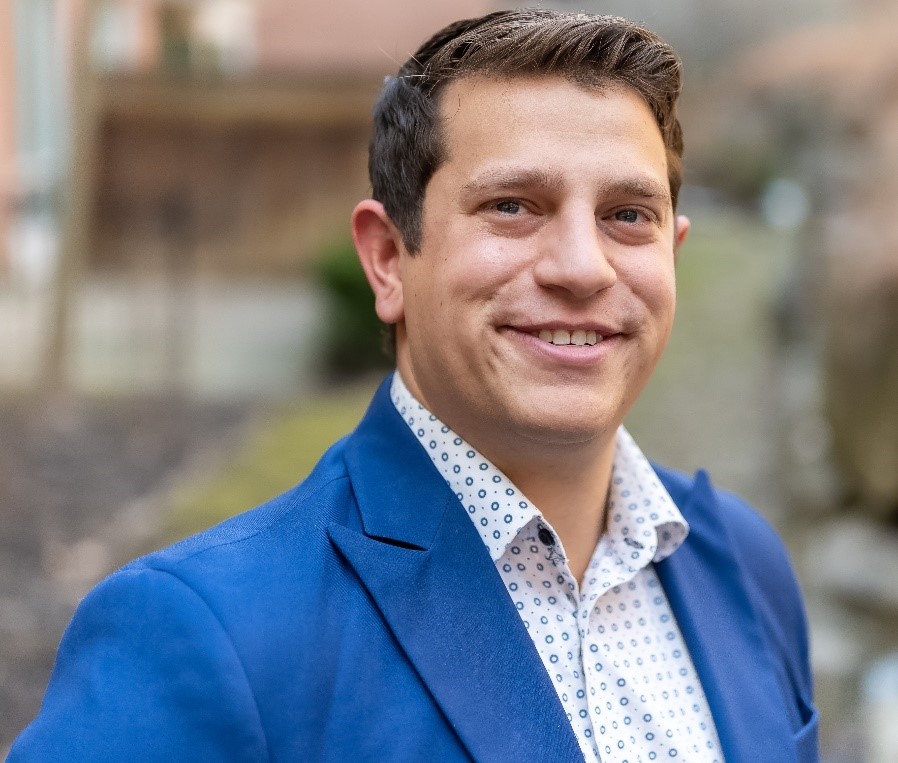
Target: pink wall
(315, 35)
(148, 33)
(352, 34)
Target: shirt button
(546, 537)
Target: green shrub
(353, 335)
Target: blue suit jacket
(360, 617)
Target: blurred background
(183, 326)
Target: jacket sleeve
(145, 672)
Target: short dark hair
(590, 50)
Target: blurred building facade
(234, 132)
(33, 40)
(151, 143)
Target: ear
(379, 246)
(681, 230)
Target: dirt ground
(77, 483)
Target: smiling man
(488, 568)
(543, 292)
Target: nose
(573, 257)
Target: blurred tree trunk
(861, 375)
(77, 205)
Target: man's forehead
(490, 139)
(493, 92)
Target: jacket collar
(424, 565)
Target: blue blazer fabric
(360, 617)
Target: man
(487, 568)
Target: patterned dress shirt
(611, 646)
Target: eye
(508, 207)
(627, 216)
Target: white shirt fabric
(612, 648)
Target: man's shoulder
(718, 516)
(225, 605)
(701, 501)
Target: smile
(578, 337)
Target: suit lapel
(708, 595)
(426, 568)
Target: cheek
(496, 276)
(654, 283)
(477, 282)
(666, 292)
(434, 300)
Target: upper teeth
(577, 336)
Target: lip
(569, 355)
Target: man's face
(543, 293)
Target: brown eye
(508, 207)
(627, 216)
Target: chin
(583, 425)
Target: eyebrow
(638, 187)
(507, 179)
(510, 179)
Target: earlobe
(681, 230)
(379, 246)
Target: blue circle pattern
(612, 648)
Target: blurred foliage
(755, 140)
(284, 451)
(739, 168)
(175, 27)
(353, 335)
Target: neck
(567, 482)
(571, 491)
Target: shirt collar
(641, 513)
(644, 525)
